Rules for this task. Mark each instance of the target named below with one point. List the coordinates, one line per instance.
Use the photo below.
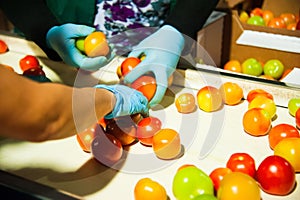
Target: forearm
(46, 111)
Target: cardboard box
(264, 43)
(210, 39)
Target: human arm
(46, 111)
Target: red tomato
(28, 62)
(3, 47)
(256, 12)
(297, 117)
(146, 85)
(128, 64)
(242, 162)
(281, 131)
(146, 128)
(276, 175)
(35, 71)
(217, 176)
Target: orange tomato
(148, 189)
(288, 18)
(209, 99)
(258, 92)
(185, 103)
(128, 64)
(285, 73)
(232, 93)
(146, 85)
(267, 15)
(277, 22)
(95, 44)
(234, 66)
(268, 77)
(3, 47)
(217, 176)
(166, 143)
(291, 26)
(256, 122)
(281, 131)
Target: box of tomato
(265, 42)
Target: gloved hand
(62, 40)
(162, 50)
(128, 101)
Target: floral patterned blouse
(115, 16)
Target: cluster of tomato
(272, 69)
(239, 178)
(127, 130)
(29, 65)
(262, 17)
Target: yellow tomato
(232, 93)
(209, 99)
(238, 186)
(148, 189)
(289, 148)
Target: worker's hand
(162, 50)
(128, 101)
(62, 39)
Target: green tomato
(274, 68)
(252, 67)
(80, 44)
(256, 20)
(205, 197)
(190, 182)
(293, 106)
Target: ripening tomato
(28, 62)
(256, 12)
(277, 22)
(232, 93)
(256, 122)
(264, 103)
(86, 137)
(95, 44)
(148, 189)
(209, 99)
(281, 131)
(146, 85)
(217, 176)
(185, 103)
(128, 64)
(289, 148)
(166, 143)
(276, 175)
(242, 162)
(146, 128)
(267, 15)
(234, 66)
(288, 18)
(238, 186)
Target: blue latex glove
(162, 49)
(62, 39)
(128, 101)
